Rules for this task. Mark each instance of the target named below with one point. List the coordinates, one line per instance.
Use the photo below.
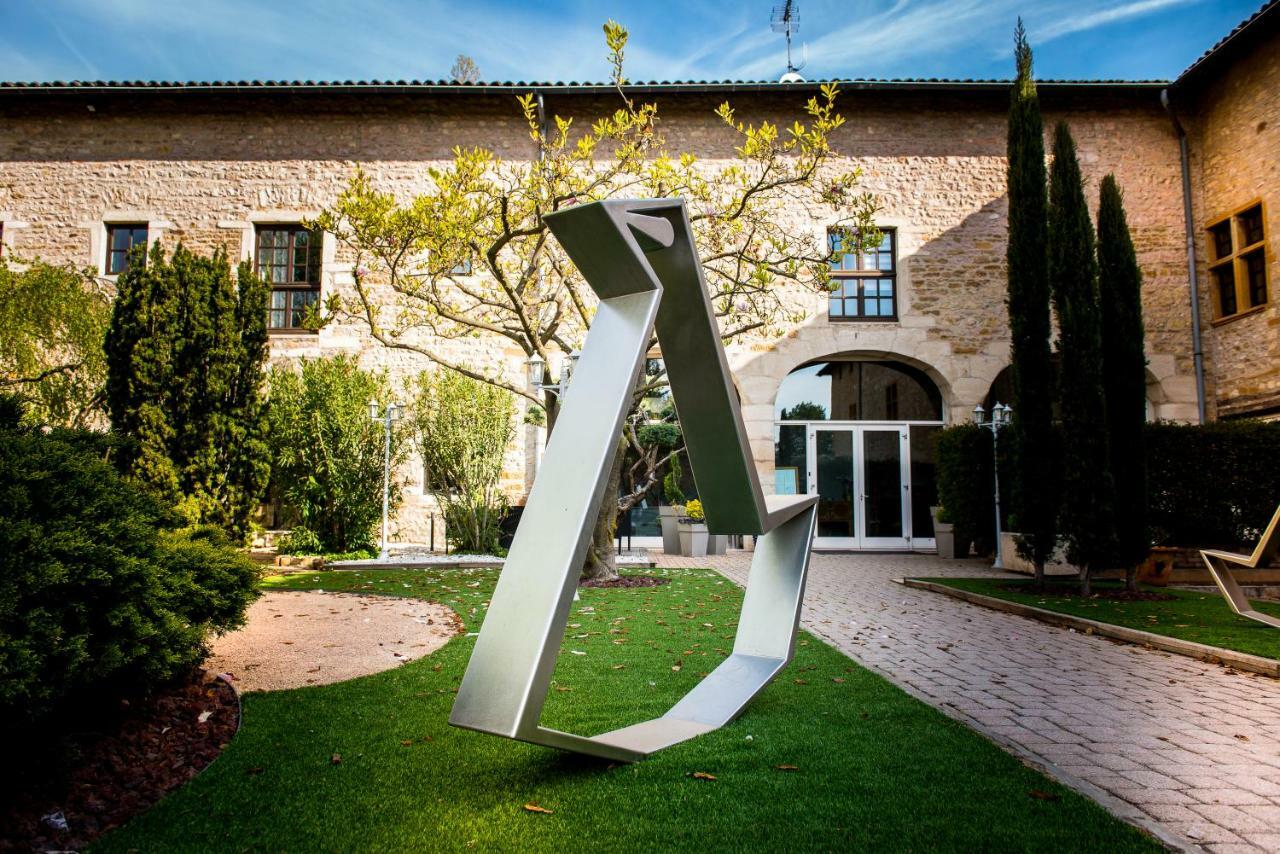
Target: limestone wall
(205, 170)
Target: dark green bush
(99, 594)
(964, 484)
(1211, 486)
(1216, 485)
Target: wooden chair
(1219, 563)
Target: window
(864, 284)
(1238, 261)
(288, 258)
(120, 241)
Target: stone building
(914, 338)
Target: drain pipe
(1197, 349)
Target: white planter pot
(693, 539)
(669, 516)
(717, 544)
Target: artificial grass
(869, 767)
(1189, 615)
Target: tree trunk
(1131, 579)
(1038, 584)
(1085, 587)
(601, 563)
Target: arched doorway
(860, 434)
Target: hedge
(1215, 485)
(100, 594)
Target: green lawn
(1200, 617)
(873, 768)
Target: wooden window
(1238, 261)
(121, 238)
(864, 284)
(288, 258)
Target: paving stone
(1156, 730)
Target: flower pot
(669, 516)
(944, 533)
(693, 537)
(717, 544)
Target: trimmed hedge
(99, 593)
(966, 487)
(1216, 485)
(1211, 486)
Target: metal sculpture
(640, 258)
(1264, 553)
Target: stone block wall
(205, 169)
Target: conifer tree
(1124, 377)
(185, 355)
(1035, 465)
(1087, 488)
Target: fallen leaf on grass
(800, 681)
(702, 775)
(1043, 796)
(838, 680)
(538, 809)
(406, 742)
(786, 767)
(335, 759)
(617, 667)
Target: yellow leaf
(702, 775)
(538, 809)
(786, 767)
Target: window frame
(290, 287)
(112, 252)
(1236, 262)
(861, 276)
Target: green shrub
(99, 594)
(328, 463)
(1216, 485)
(54, 321)
(966, 487)
(671, 484)
(463, 427)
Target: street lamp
(389, 415)
(537, 374)
(1001, 415)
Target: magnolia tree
(472, 255)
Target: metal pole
(386, 480)
(995, 468)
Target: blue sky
(671, 39)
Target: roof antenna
(786, 20)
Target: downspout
(1197, 349)
(539, 436)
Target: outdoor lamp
(537, 368)
(978, 414)
(373, 409)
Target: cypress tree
(1124, 377)
(185, 354)
(1035, 497)
(1087, 488)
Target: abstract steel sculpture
(640, 259)
(1264, 554)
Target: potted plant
(693, 530)
(670, 514)
(944, 533)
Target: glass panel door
(884, 480)
(832, 476)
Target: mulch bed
(628, 581)
(133, 755)
(1108, 594)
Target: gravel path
(292, 639)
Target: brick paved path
(1186, 749)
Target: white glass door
(861, 476)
